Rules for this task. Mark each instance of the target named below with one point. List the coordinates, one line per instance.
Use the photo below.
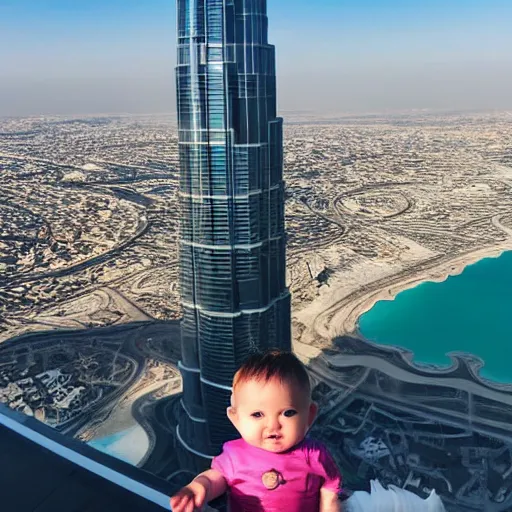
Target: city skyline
(95, 269)
(113, 57)
(373, 205)
(232, 235)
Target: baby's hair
(265, 366)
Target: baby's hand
(189, 498)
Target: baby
(274, 467)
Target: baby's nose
(274, 423)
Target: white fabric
(392, 499)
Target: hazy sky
(93, 56)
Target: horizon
(317, 116)
(118, 56)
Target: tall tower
(232, 242)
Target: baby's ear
(232, 415)
(313, 409)
(231, 411)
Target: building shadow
(381, 416)
(417, 427)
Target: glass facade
(232, 241)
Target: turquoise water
(105, 443)
(471, 312)
(108, 445)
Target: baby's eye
(257, 415)
(290, 412)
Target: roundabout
(374, 203)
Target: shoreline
(130, 445)
(337, 311)
(133, 443)
(137, 441)
(341, 316)
(349, 320)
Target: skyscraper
(232, 241)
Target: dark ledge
(35, 479)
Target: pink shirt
(304, 470)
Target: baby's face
(271, 415)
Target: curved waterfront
(129, 445)
(470, 313)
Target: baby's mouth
(274, 437)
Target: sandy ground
(134, 446)
(80, 313)
(119, 420)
